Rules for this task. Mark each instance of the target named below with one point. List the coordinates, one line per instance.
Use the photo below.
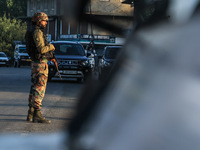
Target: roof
(68, 42)
(21, 45)
(113, 47)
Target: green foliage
(13, 8)
(11, 30)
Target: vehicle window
(99, 52)
(111, 53)
(99, 49)
(69, 49)
(22, 50)
(2, 55)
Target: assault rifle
(56, 65)
(53, 57)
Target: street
(58, 105)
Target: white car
(21, 57)
(4, 61)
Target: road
(58, 105)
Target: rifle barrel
(57, 67)
(58, 72)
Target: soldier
(40, 51)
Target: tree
(13, 8)
(11, 30)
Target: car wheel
(80, 80)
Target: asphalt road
(58, 105)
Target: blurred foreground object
(151, 101)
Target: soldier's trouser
(39, 75)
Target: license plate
(25, 59)
(2, 62)
(69, 72)
(28, 60)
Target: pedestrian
(40, 52)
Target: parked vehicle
(93, 43)
(21, 57)
(109, 57)
(72, 61)
(4, 61)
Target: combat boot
(30, 114)
(38, 118)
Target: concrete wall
(47, 6)
(113, 11)
(111, 8)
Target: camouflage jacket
(39, 39)
(37, 45)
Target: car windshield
(111, 53)
(2, 55)
(22, 49)
(68, 49)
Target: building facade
(113, 11)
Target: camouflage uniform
(40, 52)
(39, 73)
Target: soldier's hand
(53, 47)
(53, 60)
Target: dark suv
(109, 57)
(72, 61)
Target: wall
(111, 8)
(47, 6)
(113, 11)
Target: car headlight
(84, 63)
(106, 63)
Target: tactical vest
(32, 50)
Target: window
(22, 50)
(111, 53)
(2, 55)
(38, 5)
(31, 4)
(45, 4)
(52, 4)
(69, 49)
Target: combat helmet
(39, 16)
